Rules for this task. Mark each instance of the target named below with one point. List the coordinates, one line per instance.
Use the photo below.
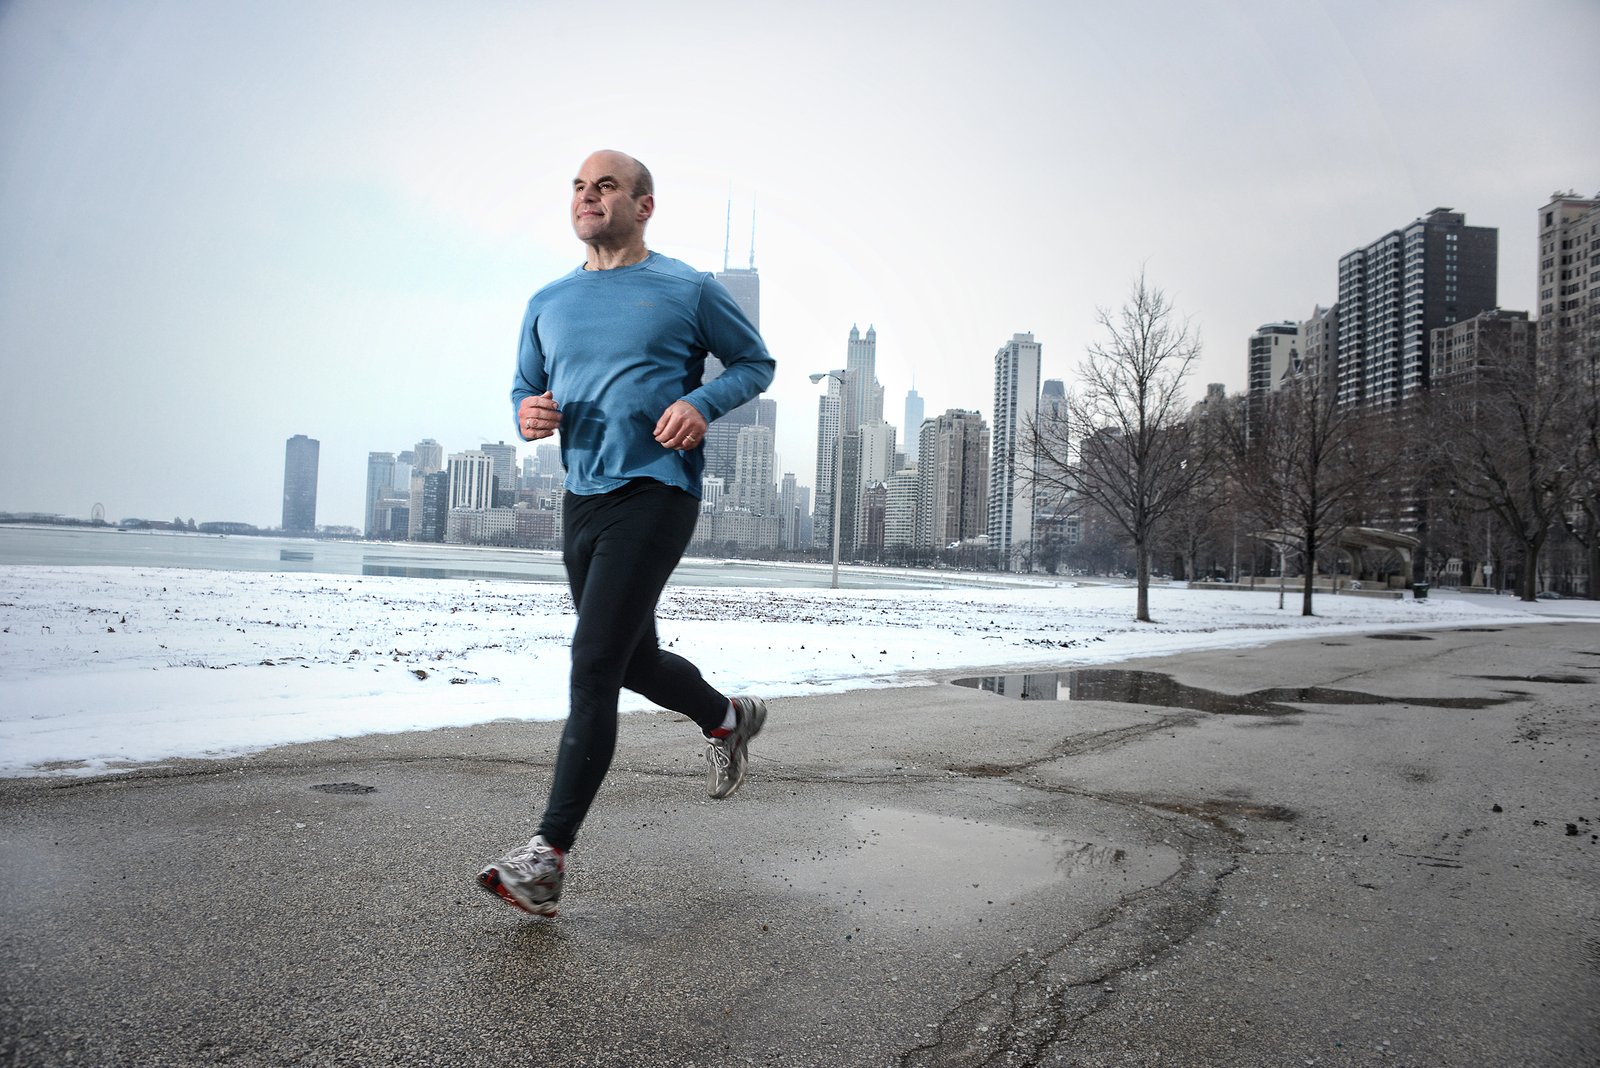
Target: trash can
(1419, 590)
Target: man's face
(604, 209)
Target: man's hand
(681, 426)
(538, 416)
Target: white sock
(731, 720)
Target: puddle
(1400, 637)
(1153, 688)
(921, 868)
(1571, 680)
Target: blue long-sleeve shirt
(616, 348)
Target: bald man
(610, 358)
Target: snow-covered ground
(106, 667)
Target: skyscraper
(1569, 269)
(300, 484)
(380, 488)
(1052, 506)
(874, 465)
(954, 473)
(471, 480)
(426, 511)
(722, 446)
(754, 485)
(1016, 403)
(1394, 292)
(829, 410)
(1462, 352)
(913, 425)
(1274, 351)
(505, 472)
(863, 396)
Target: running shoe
(528, 877)
(728, 757)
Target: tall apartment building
(1319, 345)
(505, 472)
(830, 410)
(794, 506)
(300, 455)
(900, 508)
(1395, 291)
(471, 480)
(874, 464)
(754, 488)
(1569, 268)
(1274, 350)
(1016, 404)
(954, 473)
(1050, 500)
(1460, 352)
(430, 506)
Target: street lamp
(838, 463)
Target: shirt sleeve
(747, 366)
(531, 379)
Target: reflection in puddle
(409, 571)
(923, 868)
(1163, 691)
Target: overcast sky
(223, 224)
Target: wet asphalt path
(922, 876)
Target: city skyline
(211, 258)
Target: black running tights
(620, 548)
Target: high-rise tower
(1395, 291)
(721, 446)
(863, 397)
(829, 409)
(1569, 269)
(954, 473)
(913, 425)
(1016, 404)
(300, 484)
(380, 490)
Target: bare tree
(1578, 353)
(1125, 446)
(1303, 464)
(1505, 443)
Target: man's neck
(606, 259)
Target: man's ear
(647, 207)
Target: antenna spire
(752, 233)
(727, 229)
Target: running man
(611, 356)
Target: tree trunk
(1142, 612)
(1309, 555)
(1530, 570)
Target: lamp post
(838, 464)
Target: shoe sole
(489, 879)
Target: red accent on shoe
(490, 881)
(720, 732)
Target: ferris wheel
(97, 514)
